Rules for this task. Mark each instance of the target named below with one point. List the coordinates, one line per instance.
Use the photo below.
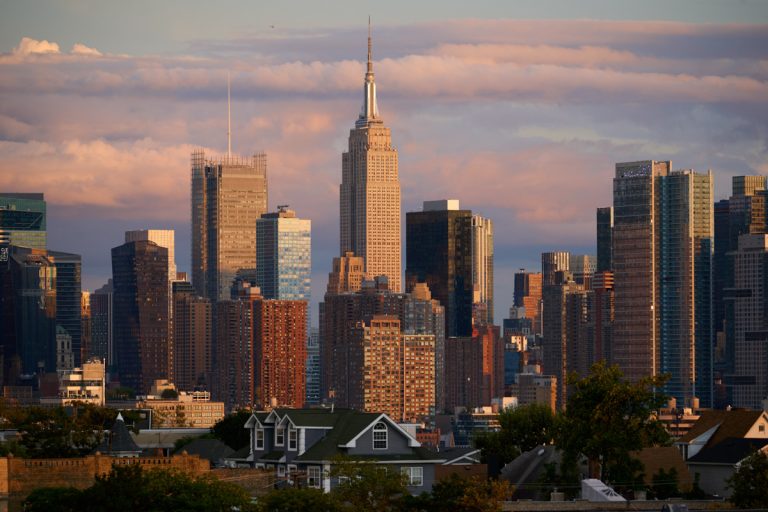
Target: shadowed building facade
(140, 305)
(439, 253)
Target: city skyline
(478, 106)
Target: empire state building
(370, 191)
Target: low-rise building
(81, 384)
(308, 442)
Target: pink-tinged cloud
(29, 46)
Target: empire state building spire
(370, 111)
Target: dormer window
(279, 436)
(292, 438)
(380, 436)
(259, 438)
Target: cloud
(29, 46)
(81, 49)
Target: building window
(279, 436)
(292, 469)
(280, 470)
(761, 428)
(380, 436)
(259, 438)
(313, 476)
(415, 476)
(292, 438)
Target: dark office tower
(662, 258)
(747, 307)
(192, 338)
(280, 352)
(140, 299)
(85, 326)
(228, 195)
(720, 262)
(582, 268)
(27, 313)
(564, 311)
(22, 220)
(101, 324)
(369, 194)
(600, 313)
(313, 367)
(604, 238)
(69, 296)
(439, 253)
(553, 262)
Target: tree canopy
(129, 488)
(607, 417)
(231, 430)
(522, 429)
(749, 484)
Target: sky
(518, 109)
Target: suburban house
(305, 443)
(718, 442)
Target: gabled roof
(372, 419)
(729, 451)
(257, 417)
(460, 455)
(311, 418)
(734, 423)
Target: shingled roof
(118, 441)
(735, 423)
(729, 451)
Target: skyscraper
(228, 195)
(22, 220)
(68, 297)
(283, 255)
(553, 262)
(192, 338)
(439, 253)
(140, 301)
(662, 258)
(280, 351)
(163, 238)
(528, 292)
(747, 306)
(482, 263)
(101, 324)
(604, 238)
(370, 191)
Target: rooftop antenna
(229, 119)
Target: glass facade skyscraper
(284, 256)
(22, 220)
(662, 259)
(228, 196)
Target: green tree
(367, 486)
(749, 484)
(169, 394)
(231, 430)
(298, 500)
(472, 494)
(128, 488)
(522, 429)
(665, 484)
(54, 499)
(608, 417)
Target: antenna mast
(229, 120)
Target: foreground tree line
(367, 487)
(607, 419)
